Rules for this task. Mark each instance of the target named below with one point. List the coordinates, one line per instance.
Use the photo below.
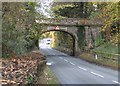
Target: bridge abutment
(91, 33)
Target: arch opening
(63, 31)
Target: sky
(44, 7)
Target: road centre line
(72, 63)
(115, 82)
(97, 74)
(86, 70)
(82, 68)
(90, 72)
(66, 60)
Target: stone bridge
(69, 22)
(92, 28)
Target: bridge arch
(60, 30)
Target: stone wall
(91, 32)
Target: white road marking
(66, 60)
(72, 63)
(97, 74)
(82, 68)
(115, 82)
(48, 63)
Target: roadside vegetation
(19, 31)
(22, 63)
(20, 35)
(106, 62)
(105, 44)
(22, 69)
(51, 78)
(107, 48)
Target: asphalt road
(71, 70)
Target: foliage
(98, 40)
(100, 61)
(110, 16)
(73, 10)
(108, 41)
(30, 79)
(19, 31)
(57, 8)
(51, 78)
(107, 48)
(63, 40)
(22, 69)
(81, 37)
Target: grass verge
(107, 48)
(50, 76)
(100, 61)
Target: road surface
(71, 70)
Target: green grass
(51, 78)
(107, 48)
(107, 55)
(108, 51)
(103, 62)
